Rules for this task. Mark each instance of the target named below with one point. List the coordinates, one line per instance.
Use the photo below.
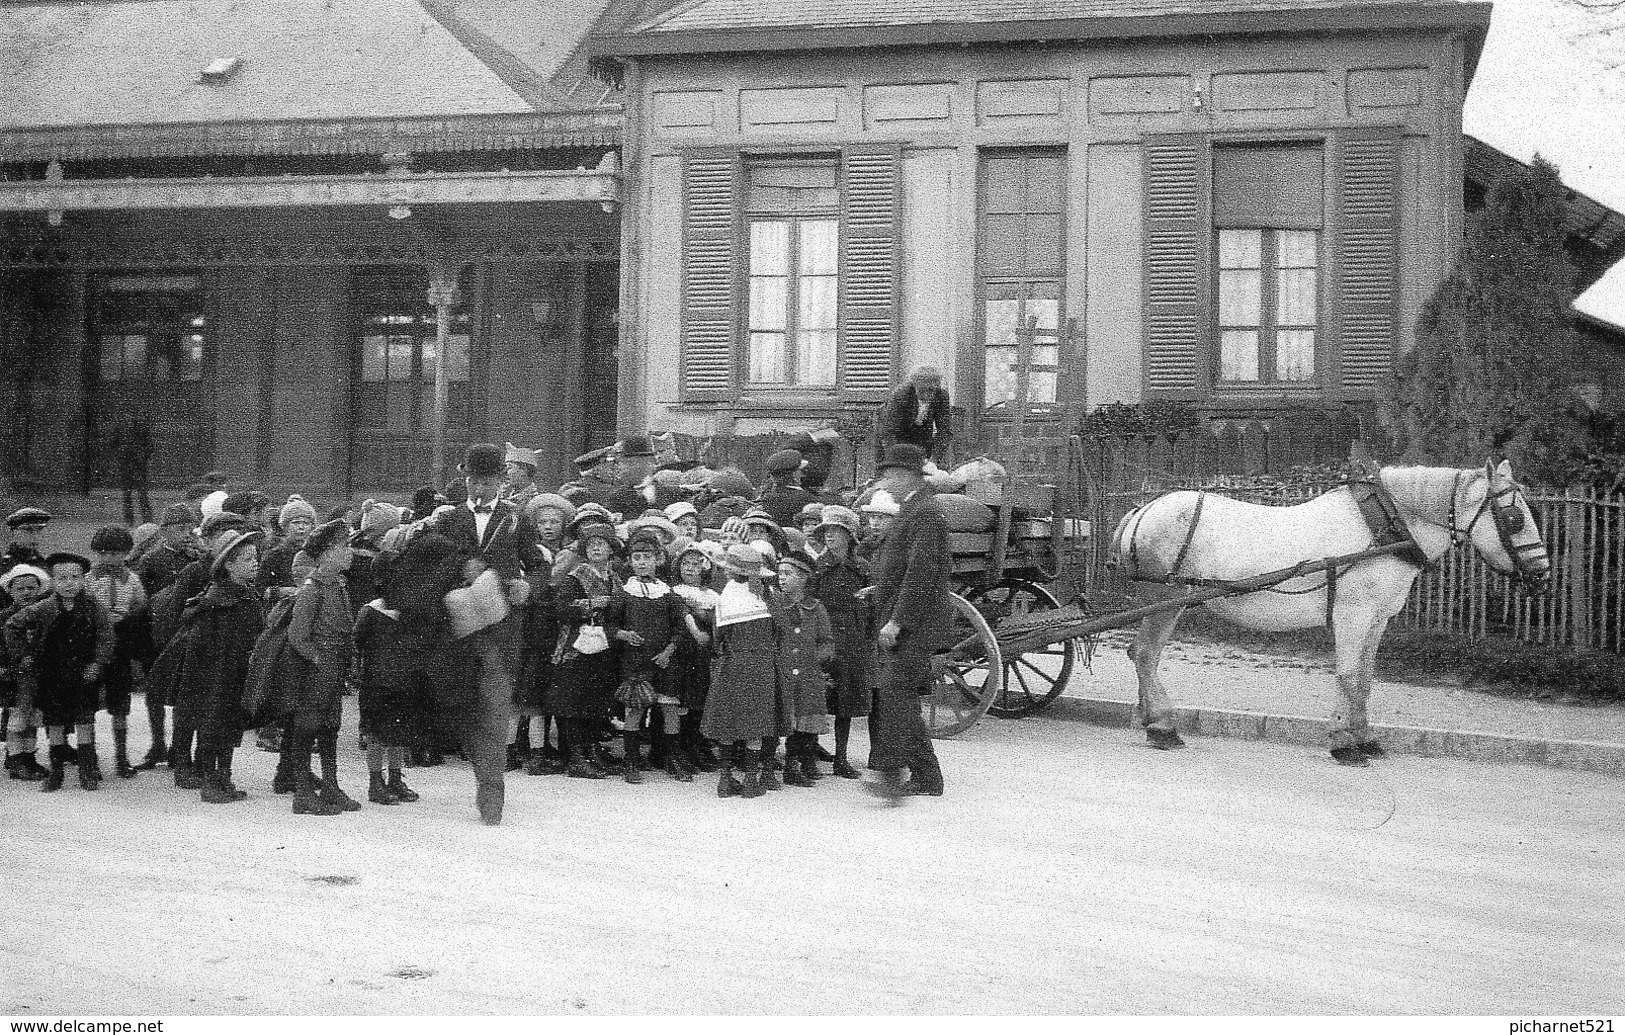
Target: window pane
(769, 248)
(374, 359)
(767, 358)
(769, 303)
(1296, 249)
(1241, 249)
(1041, 387)
(1238, 355)
(817, 309)
(815, 359)
(400, 357)
(1295, 355)
(1295, 298)
(1001, 321)
(819, 254)
(1238, 298)
(1000, 375)
(1048, 312)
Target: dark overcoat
(854, 672)
(912, 586)
(216, 636)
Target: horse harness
(1377, 507)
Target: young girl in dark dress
(391, 650)
(584, 683)
(221, 628)
(320, 633)
(646, 619)
(745, 706)
(836, 583)
(691, 668)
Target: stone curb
(1584, 755)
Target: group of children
(710, 625)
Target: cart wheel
(967, 676)
(1034, 679)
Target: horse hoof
(1372, 749)
(1351, 756)
(1164, 740)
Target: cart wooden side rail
(971, 673)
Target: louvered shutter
(1366, 293)
(710, 274)
(1176, 262)
(870, 270)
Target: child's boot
(306, 802)
(634, 764)
(331, 792)
(121, 754)
(727, 786)
(795, 775)
(397, 787)
(769, 779)
(25, 767)
(752, 785)
(215, 790)
(59, 768)
(379, 792)
(811, 753)
(90, 770)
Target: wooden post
(443, 295)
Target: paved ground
(1069, 870)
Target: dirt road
(1069, 870)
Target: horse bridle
(1508, 520)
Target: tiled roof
(135, 62)
(746, 15)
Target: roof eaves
(1473, 18)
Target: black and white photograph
(812, 511)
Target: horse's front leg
(1355, 633)
(1367, 680)
(1156, 709)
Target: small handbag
(591, 640)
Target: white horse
(1185, 538)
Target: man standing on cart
(912, 606)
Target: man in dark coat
(784, 497)
(918, 414)
(130, 442)
(914, 612)
(502, 537)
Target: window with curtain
(150, 327)
(1023, 277)
(1268, 205)
(792, 216)
(395, 353)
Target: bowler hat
(483, 460)
(27, 516)
(904, 455)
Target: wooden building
(227, 219)
(1238, 206)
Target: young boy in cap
(60, 646)
(784, 497)
(118, 589)
(297, 518)
(177, 548)
(24, 584)
(837, 582)
(321, 634)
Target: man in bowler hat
(498, 535)
(913, 609)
